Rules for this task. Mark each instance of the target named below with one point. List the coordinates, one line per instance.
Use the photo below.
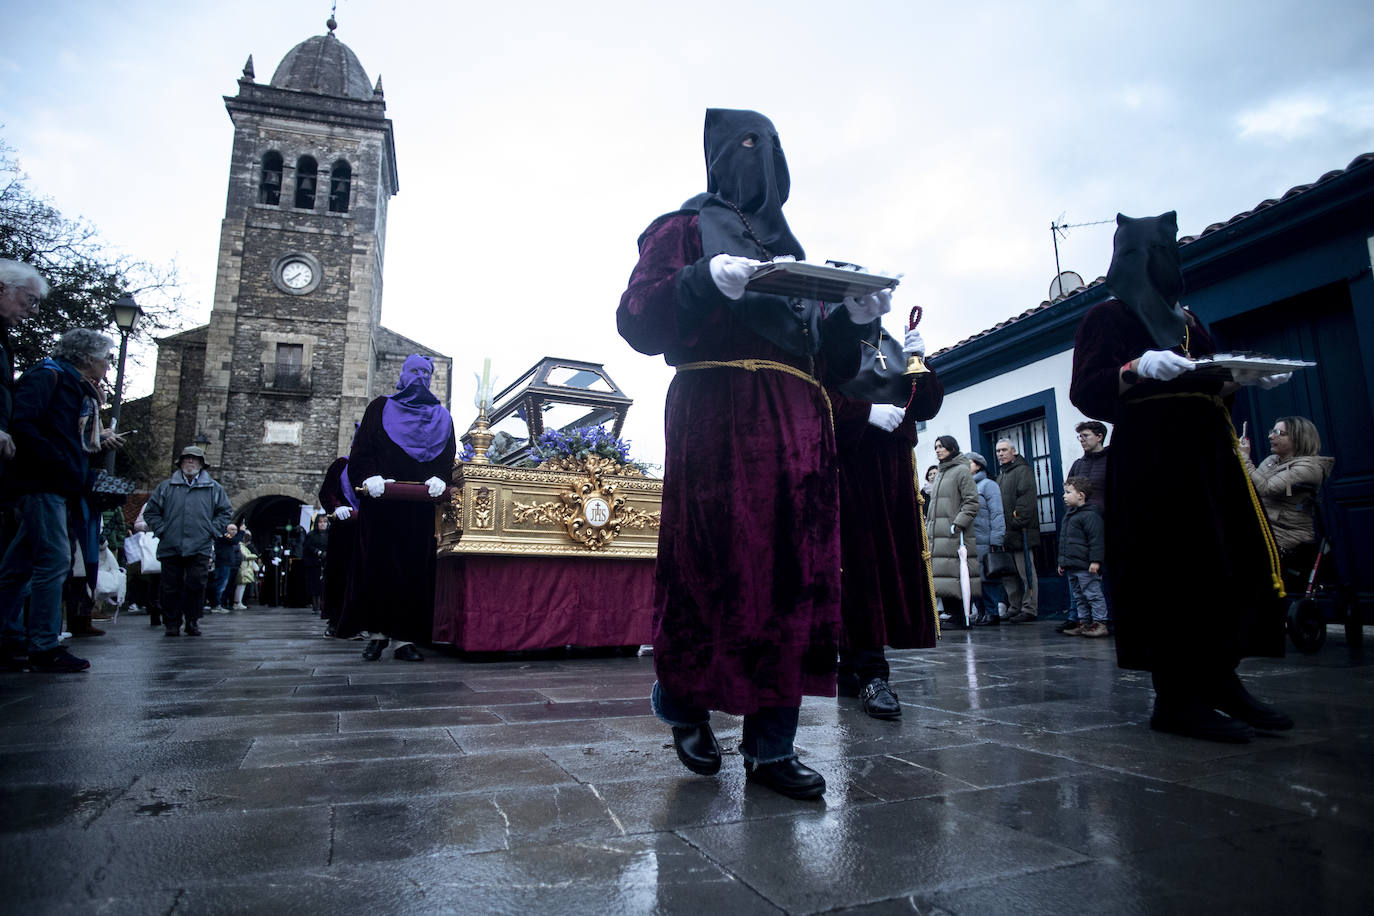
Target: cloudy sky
(536, 140)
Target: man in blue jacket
(56, 428)
(187, 512)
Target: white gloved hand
(436, 487)
(1244, 377)
(731, 274)
(1163, 365)
(886, 417)
(375, 486)
(343, 513)
(915, 344)
(6, 445)
(865, 308)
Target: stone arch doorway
(274, 520)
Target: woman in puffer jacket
(989, 526)
(953, 507)
(1288, 483)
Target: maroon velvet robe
(1188, 549)
(886, 595)
(343, 537)
(747, 584)
(391, 585)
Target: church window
(306, 172)
(340, 184)
(269, 190)
(290, 362)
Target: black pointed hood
(1147, 277)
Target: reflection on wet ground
(265, 769)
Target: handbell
(915, 365)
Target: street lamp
(126, 313)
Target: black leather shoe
(1196, 720)
(987, 620)
(373, 650)
(879, 700)
(788, 777)
(697, 748)
(408, 653)
(1232, 698)
(192, 629)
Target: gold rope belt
(925, 543)
(1275, 572)
(754, 365)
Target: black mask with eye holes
(1145, 274)
(745, 169)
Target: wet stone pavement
(264, 769)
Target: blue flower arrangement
(581, 442)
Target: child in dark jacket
(1082, 545)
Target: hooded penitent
(746, 185)
(1145, 275)
(413, 417)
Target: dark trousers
(183, 589)
(864, 664)
(768, 733)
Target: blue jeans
(218, 586)
(39, 558)
(768, 733)
(1086, 589)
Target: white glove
(865, 308)
(731, 274)
(6, 445)
(375, 485)
(1244, 377)
(342, 513)
(436, 487)
(886, 417)
(1163, 365)
(915, 344)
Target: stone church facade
(294, 350)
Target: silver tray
(816, 281)
(1222, 364)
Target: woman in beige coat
(1289, 483)
(953, 507)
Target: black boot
(788, 777)
(879, 700)
(1194, 719)
(1230, 696)
(697, 748)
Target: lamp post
(126, 313)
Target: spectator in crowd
(149, 575)
(405, 436)
(885, 598)
(21, 289)
(949, 524)
(1206, 556)
(55, 426)
(1019, 504)
(748, 572)
(1082, 547)
(1092, 465)
(228, 559)
(989, 530)
(929, 479)
(187, 511)
(1289, 482)
(249, 567)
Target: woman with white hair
(56, 429)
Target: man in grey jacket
(187, 512)
(1019, 504)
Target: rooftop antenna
(1060, 285)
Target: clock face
(598, 512)
(297, 274)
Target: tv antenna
(1059, 227)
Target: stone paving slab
(263, 768)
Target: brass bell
(915, 365)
